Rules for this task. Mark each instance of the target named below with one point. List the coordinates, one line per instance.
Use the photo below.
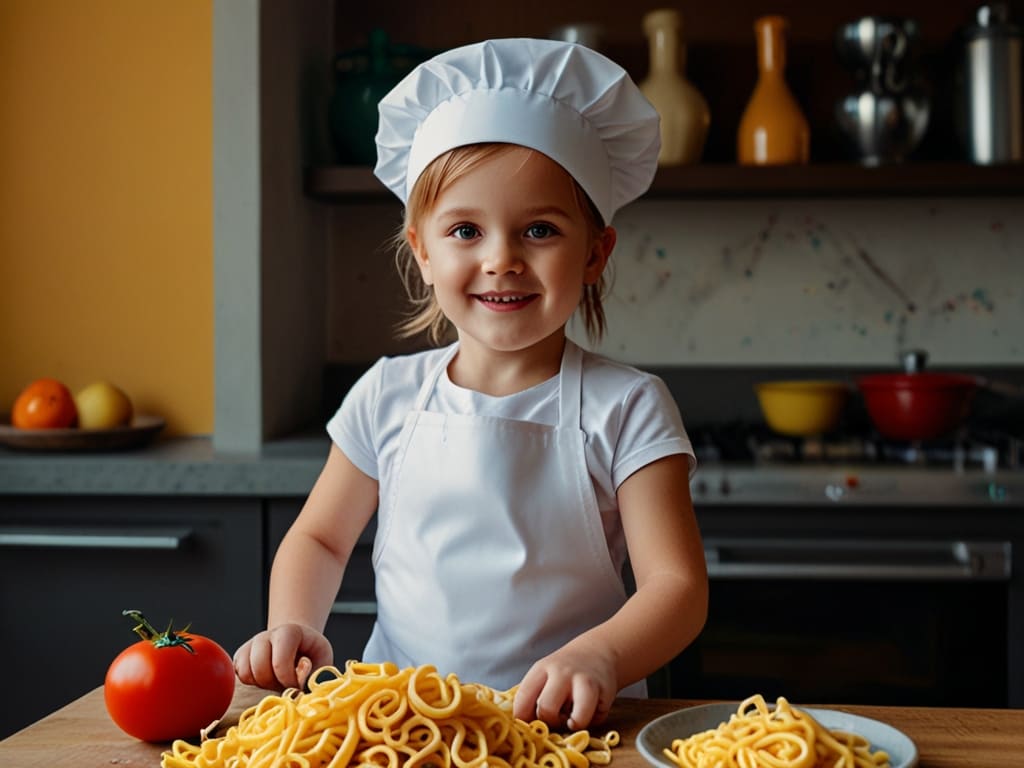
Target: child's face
(508, 251)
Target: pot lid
(920, 381)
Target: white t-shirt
(629, 417)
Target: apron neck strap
(570, 386)
(433, 375)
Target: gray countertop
(178, 466)
(288, 468)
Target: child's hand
(573, 687)
(272, 659)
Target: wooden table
(81, 735)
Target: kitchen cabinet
(70, 565)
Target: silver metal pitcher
(988, 114)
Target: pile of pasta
(378, 716)
(783, 737)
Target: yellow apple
(101, 405)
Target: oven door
(853, 621)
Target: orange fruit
(44, 404)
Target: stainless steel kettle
(988, 114)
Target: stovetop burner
(751, 442)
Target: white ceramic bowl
(659, 734)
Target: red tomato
(169, 685)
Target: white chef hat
(576, 106)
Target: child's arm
(667, 612)
(307, 571)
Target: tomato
(44, 404)
(169, 685)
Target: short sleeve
(352, 427)
(651, 428)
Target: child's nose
(503, 257)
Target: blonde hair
(425, 314)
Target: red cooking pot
(917, 405)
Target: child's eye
(465, 232)
(540, 231)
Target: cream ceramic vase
(773, 129)
(683, 110)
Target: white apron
(490, 552)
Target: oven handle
(19, 537)
(858, 559)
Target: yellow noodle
(756, 737)
(377, 716)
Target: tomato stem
(165, 639)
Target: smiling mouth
(505, 302)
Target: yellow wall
(106, 242)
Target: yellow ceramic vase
(683, 110)
(773, 129)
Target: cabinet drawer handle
(863, 560)
(97, 538)
(354, 608)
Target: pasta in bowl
(755, 734)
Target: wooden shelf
(340, 184)
(344, 183)
(839, 180)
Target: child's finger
(303, 670)
(524, 705)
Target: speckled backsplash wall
(834, 281)
(760, 282)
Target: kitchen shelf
(340, 184)
(838, 180)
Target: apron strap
(432, 376)
(570, 386)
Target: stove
(987, 450)
(748, 463)
(805, 538)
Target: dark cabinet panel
(70, 565)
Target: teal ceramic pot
(362, 78)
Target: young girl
(511, 471)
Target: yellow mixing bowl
(802, 408)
